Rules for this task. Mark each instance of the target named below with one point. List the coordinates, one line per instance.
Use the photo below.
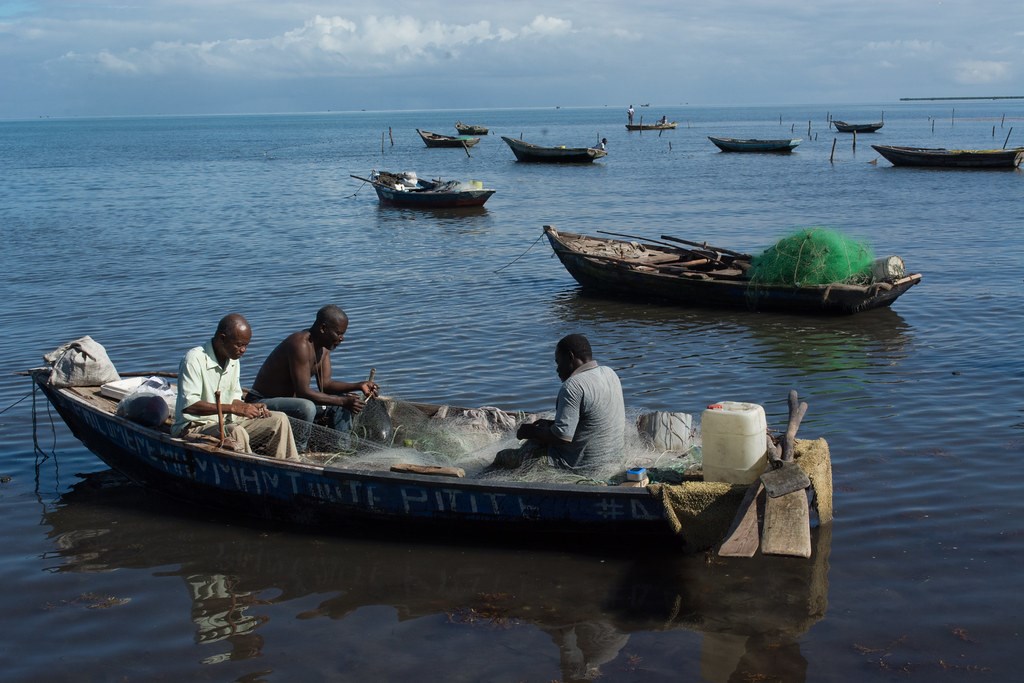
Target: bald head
(331, 315)
(231, 338)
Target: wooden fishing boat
(934, 157)
(407, 190)
(783, 146)
(705, 276)
(844, 127)
(668, 125)
(526, 151)
(325, 493)
(467, 129)
(438, 140)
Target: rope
(15, 403)
(521, 255)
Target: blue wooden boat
(783, 146)
(706, 276)
(527, 151)
(330, 496)
(418, 193)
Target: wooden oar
(787, 529)
(705, 245)
(646, 239)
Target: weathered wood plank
(437, 470)
(787, 526)
(742, 538)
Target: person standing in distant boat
(284, 380)
(629, 114)
(603, 145)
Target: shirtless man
(284, 381)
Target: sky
(62, 58)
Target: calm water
(143, 232)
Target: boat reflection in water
(751, 612)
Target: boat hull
(438, 140)
(844, 127)
(526, 151)
(431, 200)
(332, 498)
(927, 157)
(629, 280)
(783, 146)
(652, 126)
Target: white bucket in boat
(734, 440)
(887, 268)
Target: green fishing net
(812, 256)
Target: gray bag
(80, 363)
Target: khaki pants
(272, 434)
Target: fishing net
(813, 256)
(390, 432)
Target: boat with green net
(697, 274)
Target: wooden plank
(437, 470)
(742, 538)
(787, 526)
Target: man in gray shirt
(590, 414)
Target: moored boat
(937, 157)
(438, 140)
(408, 190)
(783, 146)
(844, 127)
(705, 276)
(664, 125)
(344, 491)
(526, 151)
(468, 129)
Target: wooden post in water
(854, 141)
(382, 143)
(933, 125)
(390, 135)
(808, 129)
(952, 117)
(1007, 137)
(1002, 121)
(830, 156)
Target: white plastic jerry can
(734, 439)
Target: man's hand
(249, 410)
(353, 402)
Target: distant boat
(438, 140)
(936, 157)
(666, 125)
(844, 127)
(466, 129)
(706, 276)
(526, 151)
(407, 190)
(734, 145)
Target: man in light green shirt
(213, 367)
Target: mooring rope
(521, 255)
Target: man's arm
(540, 431)
(333, 386)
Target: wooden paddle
(787, 528)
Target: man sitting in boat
(590, 414)
(208, 386)
(283, 382)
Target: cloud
(322, 45)
(976, 72)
